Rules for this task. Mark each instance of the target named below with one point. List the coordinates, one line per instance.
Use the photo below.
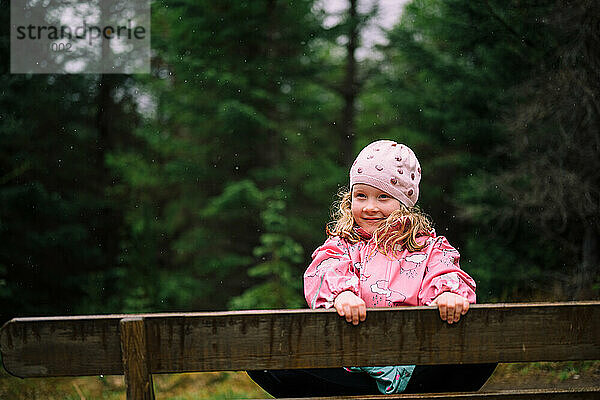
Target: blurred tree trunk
(107, 115)
(588, 268)
(350, 88)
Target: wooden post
(136, 359)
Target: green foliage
(53, 213)
(279, 257)
(232, 100)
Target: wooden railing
(141, 345)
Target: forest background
(206, 184)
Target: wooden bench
(141, 345)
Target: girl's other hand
(349, 305)
(451, 306)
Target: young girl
(381, 251)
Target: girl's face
(371, 206)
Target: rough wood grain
(522, 394)
(73, 346)
(70, 346)
(136, 366)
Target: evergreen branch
(507, 26)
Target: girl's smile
(371, 206)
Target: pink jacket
(407, 279)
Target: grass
(193, 386)
(546, 374)
(558, 371)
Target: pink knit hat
(391, 167)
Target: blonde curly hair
(401, 228)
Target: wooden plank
(68, 346)
(522, 394)
(74, 346)
(416, 335)
(136, 366)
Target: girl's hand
(349, 305)
(451, 306)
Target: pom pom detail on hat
(381, 164)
